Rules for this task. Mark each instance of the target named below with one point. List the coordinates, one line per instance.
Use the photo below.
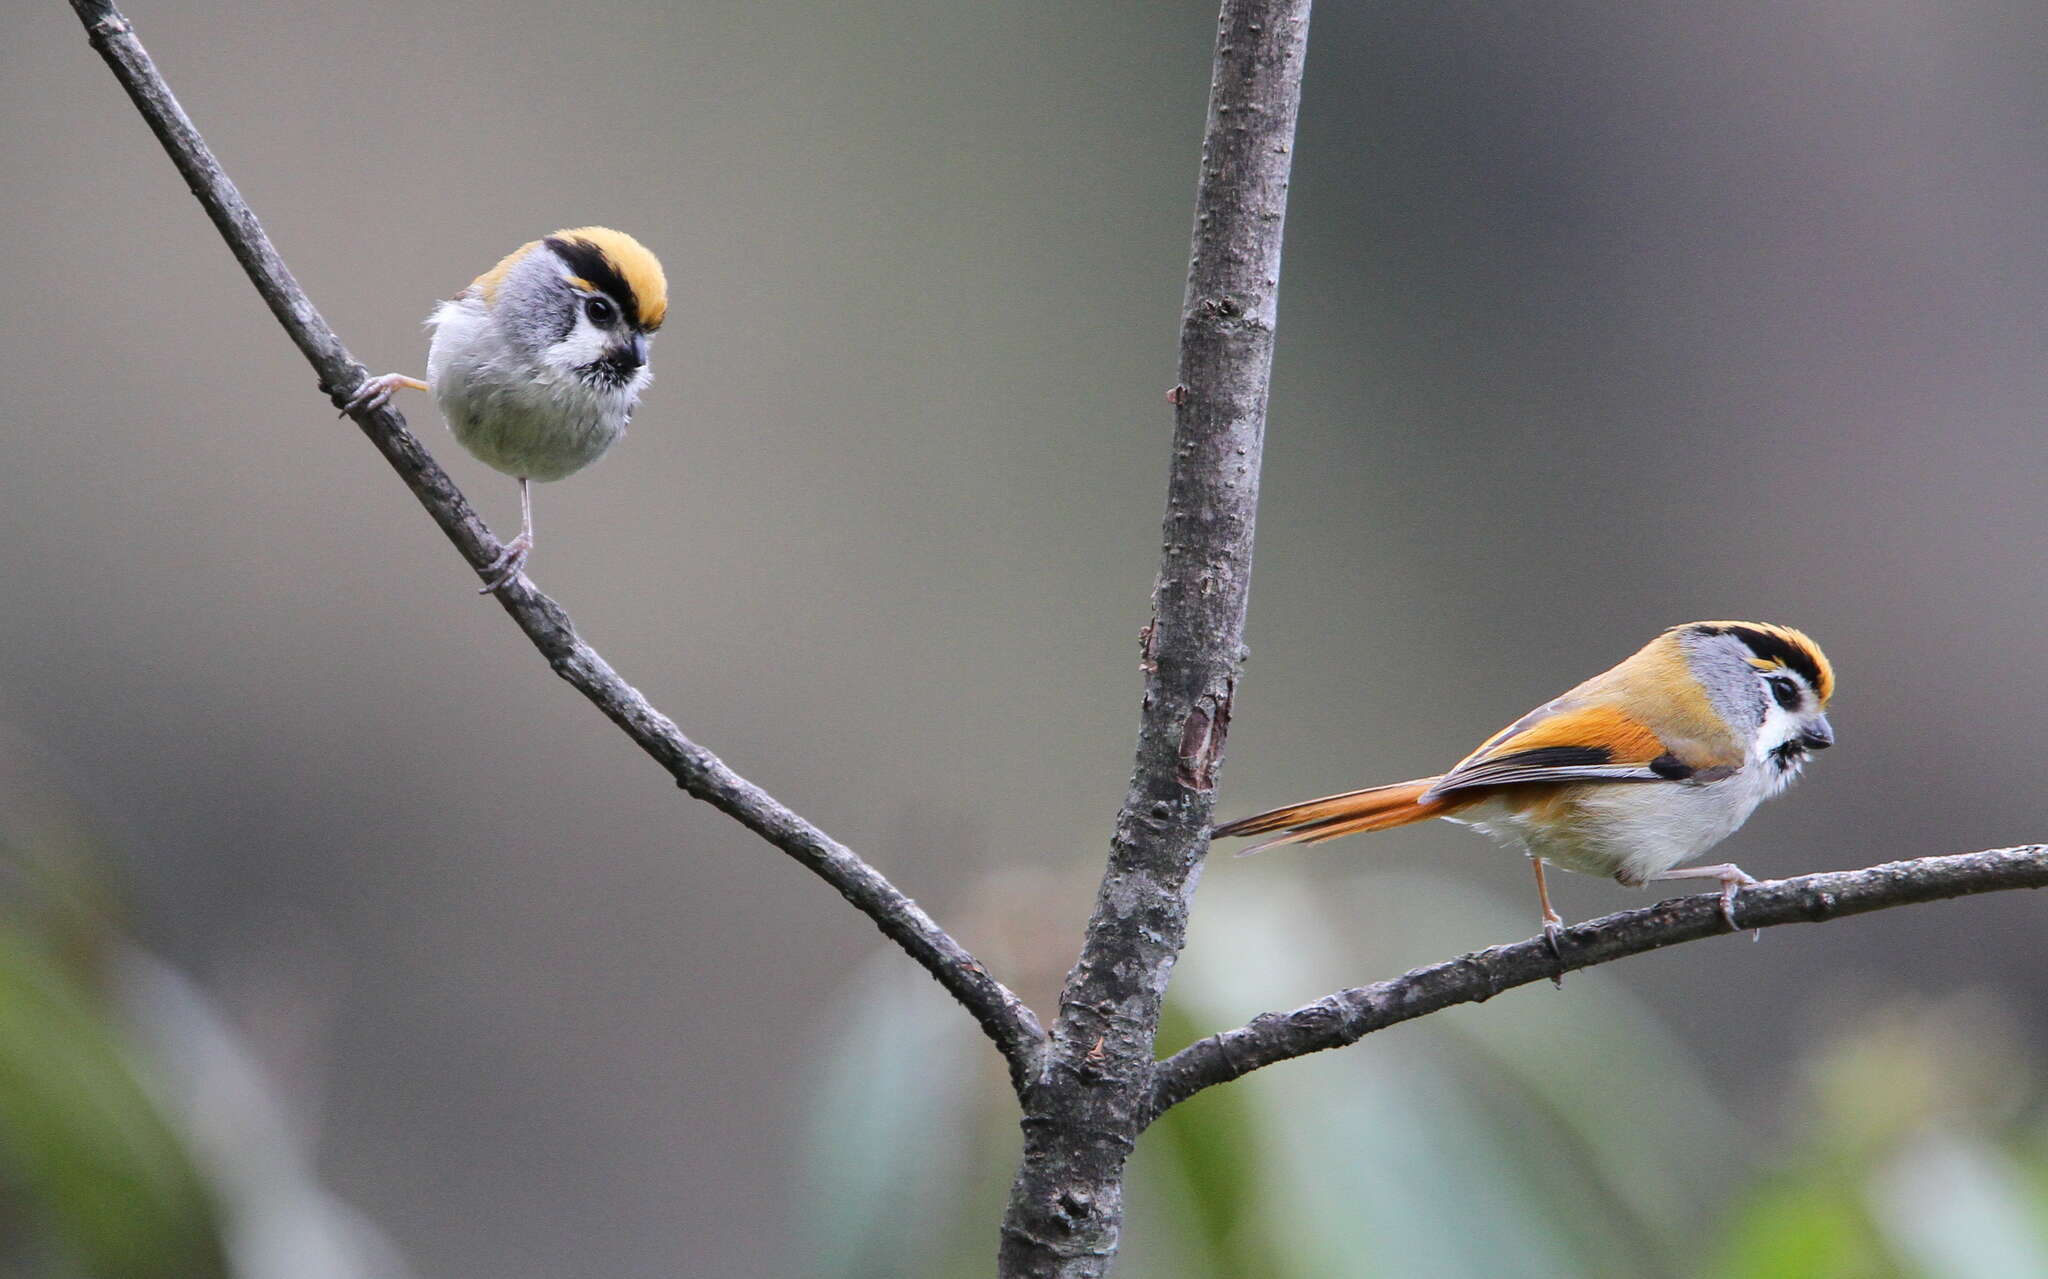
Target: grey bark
(1349, 1015)
(1083, 1114)
(1008, 1022)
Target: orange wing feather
(1581, 743)
(1627, 739)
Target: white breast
(1631, 830)
(526, 421)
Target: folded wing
(1564, 743)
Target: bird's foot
(376, 392)
(1553, 937)
(1733, 880)
(511, 562)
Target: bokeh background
(1597, 317)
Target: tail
(1378, 808)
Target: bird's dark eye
(1785, 692)
(600, 310)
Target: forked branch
(1002, 1015)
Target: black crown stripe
(588, 261)
(1773, 647)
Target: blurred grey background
(1597, 318)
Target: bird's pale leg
(1553, 923)
(1732, 877)
(512, 560)
(376, 392)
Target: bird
(538, 364)
(1642, 767)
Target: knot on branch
(1201, 742)
(1481, 962)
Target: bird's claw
(505, 570)
(376, 392)
(1553, 937)
(1730, 885)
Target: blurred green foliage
(1921, 1153)
(95, 1179)
(98, 1172)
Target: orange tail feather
(1376, 808)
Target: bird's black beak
(631, 355)
(1819, 735)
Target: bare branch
(1349, 1015)
(1007, 1020)
(1082, 1118)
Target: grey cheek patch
(535, 308)
(1721, 663)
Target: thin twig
(1066, 1206)
(1005, 1017)
(1349, 1015)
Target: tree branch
(1347, 1016)
(1084, 1114)
(1002, 1015)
